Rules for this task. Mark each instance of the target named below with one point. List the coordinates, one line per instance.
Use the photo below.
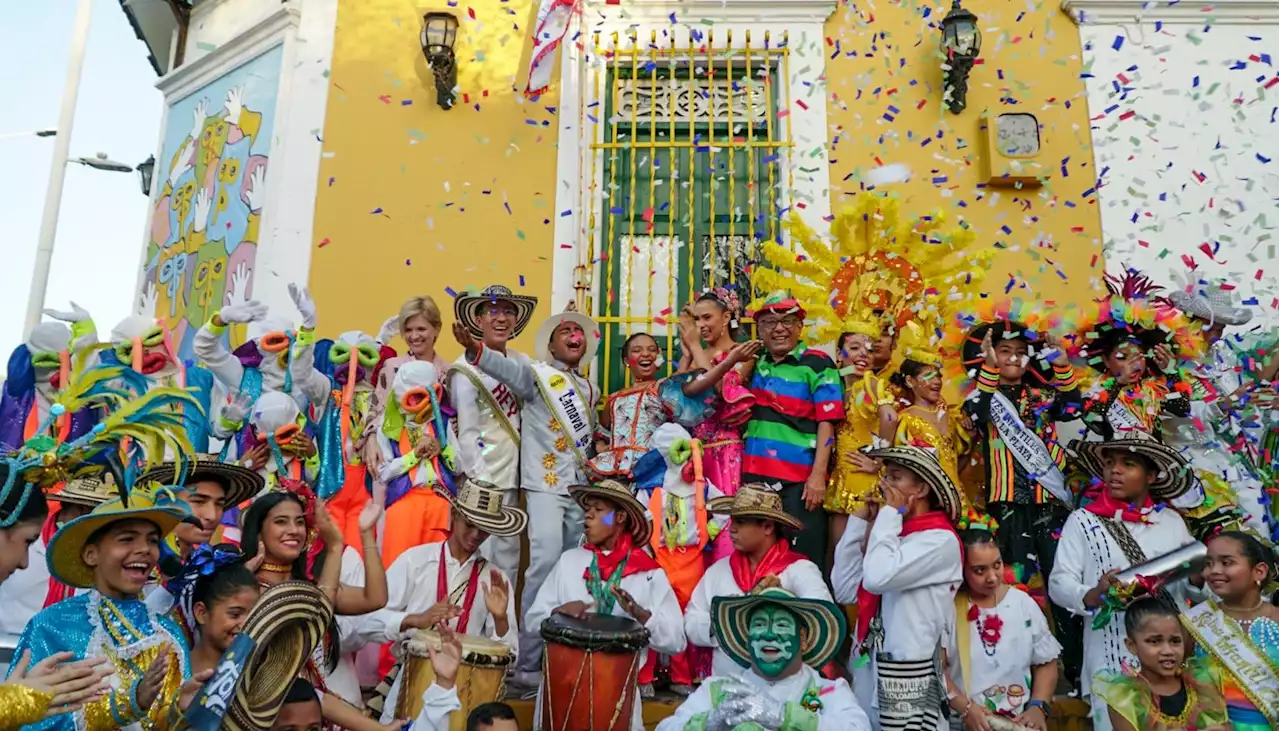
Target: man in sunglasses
(556, 439)
(277, 358)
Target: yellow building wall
(414, 199)
(886, 55)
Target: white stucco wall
(1183, 110)
(216, 44)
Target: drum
(481, 676)
(589, 672)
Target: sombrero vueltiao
(87, 491)
(242, 483)
(286, 624)
(825, 625)
(620, 495)
(64, 555)
(481, 503)
(755, 500)
(542, 339)
(1174, 478)
(465, 307)
(926, 465)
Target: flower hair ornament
(728, 298)
(205, 560)
(973, 520)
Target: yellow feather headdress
(878, 269)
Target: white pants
(555, 526)
(504, 551)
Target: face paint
(608, 519)
(774, 638)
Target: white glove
(77, 314)
(390, 328)
(740, 705)
(250, 311)
(306, 306)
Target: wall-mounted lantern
(146, 169)
(439, 31)
(961, 42)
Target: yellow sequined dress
(917, 427)
(20, 705)
(132, 636)
(849, 488)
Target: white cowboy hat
(542, 340)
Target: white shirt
(22, 594)
(650, 589)
(1004, 677)
(801, 578)
(1085, 552)
(438, 706)
(411, 588)
(916, 577)
(840, 710)
(485, 450)
(539, 442)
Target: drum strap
(470, 586)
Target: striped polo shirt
(792, 395)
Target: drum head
(475, 650)
(595, 633)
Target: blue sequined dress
(92, 625)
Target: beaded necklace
(602, 589)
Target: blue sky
(102, 223)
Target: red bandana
(775, 561)
(638, 562)
(1106, 506)
(868, 603)
(469, 596)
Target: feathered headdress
(1133, 310)
(142, 421)
(878, 269)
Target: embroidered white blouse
(1000, 676)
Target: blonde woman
(418, 324)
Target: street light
(100, 161)
(146, 169)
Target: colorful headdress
(877, 270)
(1005, 318)
(1132, 311)
(973, 520)
(142, 421)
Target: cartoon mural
(204, 226)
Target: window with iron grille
(691, 185)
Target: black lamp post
(146, 169)
(439, 31)
(960, 44)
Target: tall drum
(589, 672)
(481, 676)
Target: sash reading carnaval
(567, 406)
(1252, 671)
(1027, 447)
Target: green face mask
(775, 639)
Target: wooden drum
(481, 676)
(589, 672)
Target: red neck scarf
(57, 590)
(773, 563)
(868, 603)
(637, 562)
(1106, 506)
(469, 596)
